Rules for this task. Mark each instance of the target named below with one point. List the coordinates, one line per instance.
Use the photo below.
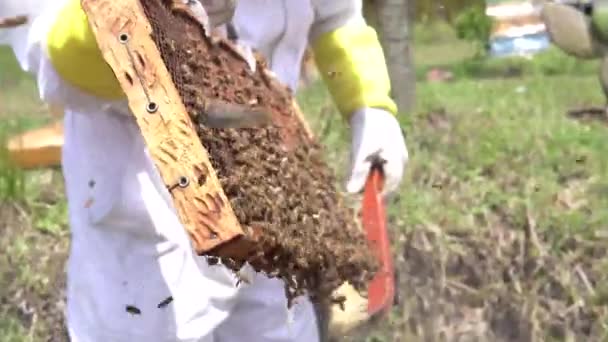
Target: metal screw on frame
(183, 182)
(151, 107)
(123, 38)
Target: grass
(501, 218)
(499, 230)
(33, 225)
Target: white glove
(211, 13)
(246, 52)
(215, 14)
(376, 132)
(220, 11)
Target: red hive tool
(381, 290)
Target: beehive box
(259, 195)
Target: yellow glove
(74, 53)
(352, 64)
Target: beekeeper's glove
(211, 13)
(220, 11)
(352, 64)
(376, 136)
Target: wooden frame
(124, 36)
(37, 148)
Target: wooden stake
(124, 36)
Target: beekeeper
(580, 29)
(132, 273)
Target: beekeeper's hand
(210, 13)
(376, 135)
(219, 11)
(351, 61)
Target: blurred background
(500, 231)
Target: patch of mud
(498, 285)
(589, 114)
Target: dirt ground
(32, 276)
(507, 282)
(505, 285)
(501, 286)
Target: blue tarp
(522, 45)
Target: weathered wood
(37, 148)
(13, 21)
(123, 34)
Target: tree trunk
(393, 21)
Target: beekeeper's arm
(58, 47)
(61, 42)
(67, 40)
(349, 56)
(61, 49)
(72, 49)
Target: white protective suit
(132, 273)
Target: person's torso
(279, 30)
(131, 268)
(131, 264)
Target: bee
(211, 261)
(165, 302)
(133, 310)
(333, 74)
(340, 301)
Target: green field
(500, 232)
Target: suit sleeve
(350, 58)
(57, 46)
(73, 52)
